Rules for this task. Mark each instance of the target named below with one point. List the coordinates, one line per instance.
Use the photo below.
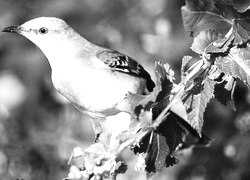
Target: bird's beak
(12, 29)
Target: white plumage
(94, 79)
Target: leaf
(164, 85)
(164, 73)
(236, 64)
(96, 149)
(204, 39)
(216, 14)
(137, 101)
(168, 135)
(192, 138)
(158, 98)
(195, 141)
(242, 5)
(159, 146)
(159, 151)
(223, 91)
(204, 14)
(165, 76)
(166, 140)
(241, 29)
(220, 46)
(196, 101)
(121, 168)
(185, 61)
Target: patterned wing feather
(123, 63)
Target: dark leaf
(160, 145)
(195, 141)
(192, 137)
(168, 135)
(223, 91)
(165, 76)
(165, 140)
(173, 134)
(159, 98)
(121, 167)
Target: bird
(95, 79)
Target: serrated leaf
(164, 72)
(204, 39)
(236, 64)
(196, 102)
(200, 15)
(216, 14)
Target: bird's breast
(94, 90)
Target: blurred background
(39, 128)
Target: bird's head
(52, 35)
(42, 31)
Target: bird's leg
(97, 129)
(97, 137)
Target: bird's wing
(123, 63)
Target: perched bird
(96, 80)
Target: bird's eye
(43, 30)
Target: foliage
(221, 37)
(38, 130)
